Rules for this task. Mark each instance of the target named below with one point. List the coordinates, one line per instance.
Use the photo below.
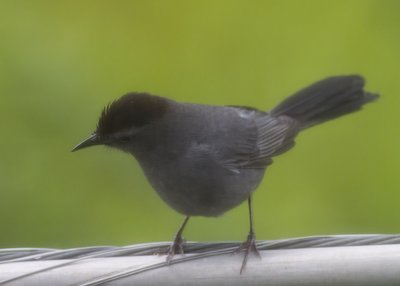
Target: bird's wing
(266, 136)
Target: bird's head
(122, 120)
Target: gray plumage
(204, 160)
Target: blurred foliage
(62, 61)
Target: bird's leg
(249, 246)
(177, 244)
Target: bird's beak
(91, 141)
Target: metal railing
(321, 260)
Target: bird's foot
(175, 247)
(249, 246)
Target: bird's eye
(124, 139)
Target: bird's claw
(175, 247)
(249, 246)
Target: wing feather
(270, 136)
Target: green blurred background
(62, 61)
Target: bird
(204, 160)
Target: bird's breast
(198, 185)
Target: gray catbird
(204, 160)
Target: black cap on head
(131, 110)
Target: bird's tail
(324, 100)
